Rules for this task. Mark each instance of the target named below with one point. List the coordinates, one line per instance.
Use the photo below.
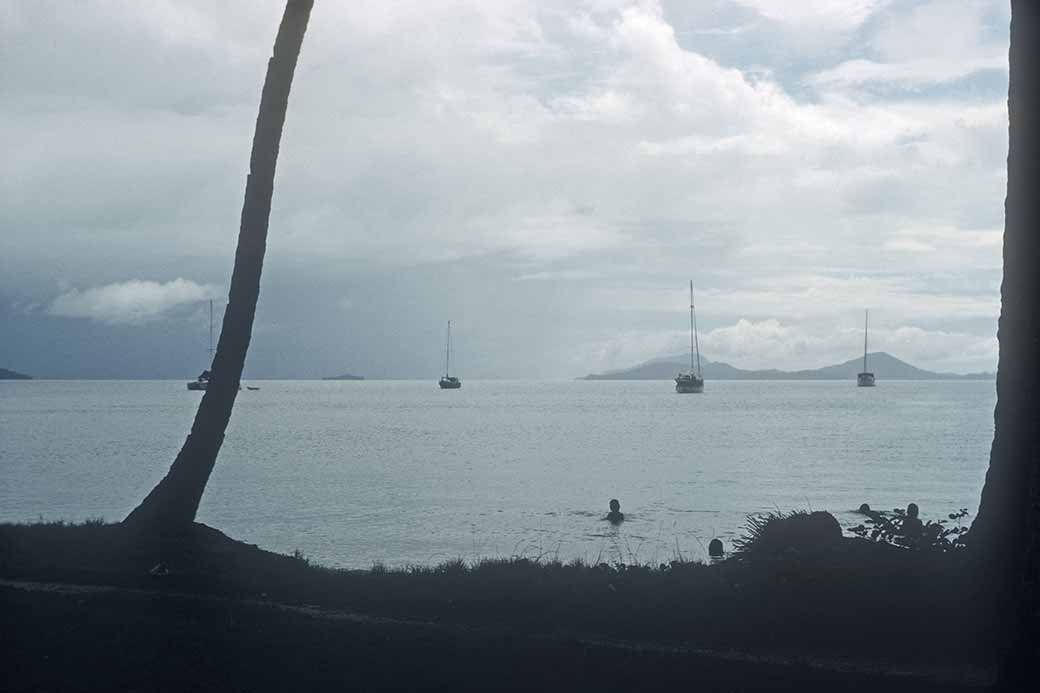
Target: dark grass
(855, 599)
(126, 641)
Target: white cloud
(940, 349)
(770, 343)
(935, 42)
(561, 275)
(817, 15)
(758, 344)
(130, 302)
(914, 73)
(948, 247)
(954, 31)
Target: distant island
(885, 367)
(345, 376)
(13, 375)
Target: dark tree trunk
(172, 504)
(1005, 531)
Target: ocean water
(400, 472)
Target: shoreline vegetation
(846, 599)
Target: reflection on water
(401, 472)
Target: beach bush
(777, 532)
(934, 535)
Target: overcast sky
(547, 175)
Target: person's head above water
(715, 549)
(912, 510)
(615, 505)
(865, 508)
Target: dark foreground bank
(137, 640)
(203, 608)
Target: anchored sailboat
(202, 381)
(449, 382)
(694, 380)
(866, 378)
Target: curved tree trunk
(172, 504)
(1005, 532)
(1001, 528)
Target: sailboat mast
(447, 352)
(695, 346)
(866, 318)
(691, 326)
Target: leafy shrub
(934, 535)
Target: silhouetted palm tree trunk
(1006, 528)
(1001, 524)
(172, 504)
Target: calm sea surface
(400, 472)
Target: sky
(549, 176)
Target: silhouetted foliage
(776, 532)
(934, 535)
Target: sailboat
(449, 382)
(202, 381)
(866, 378)
(694, 380)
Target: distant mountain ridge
(884, 366)
(345, 376)
(13, 375)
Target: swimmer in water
(715, 549)
(912, 527)
(615, 516)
